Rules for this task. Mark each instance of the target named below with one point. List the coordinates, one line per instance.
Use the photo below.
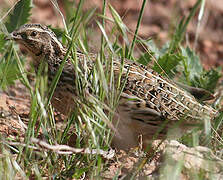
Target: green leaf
(20, 15)
(167, 63)
(152, 51)
(145, 58)
(195, 74)
(192, 66)
(7, 77)
(210, 79)
(150, 44)
(8, 70)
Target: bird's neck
(52, 52)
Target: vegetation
(88, 123)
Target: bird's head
(38, 40)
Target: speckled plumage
(148, 99)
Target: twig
(64, 149)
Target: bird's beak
(13, 36)
(9, 37)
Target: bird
(148, 100)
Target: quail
(148, 99)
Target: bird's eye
(34, 33)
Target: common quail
(147, 101)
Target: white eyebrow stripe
(37, 29)
(40, 30)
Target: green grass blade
(137, 29)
